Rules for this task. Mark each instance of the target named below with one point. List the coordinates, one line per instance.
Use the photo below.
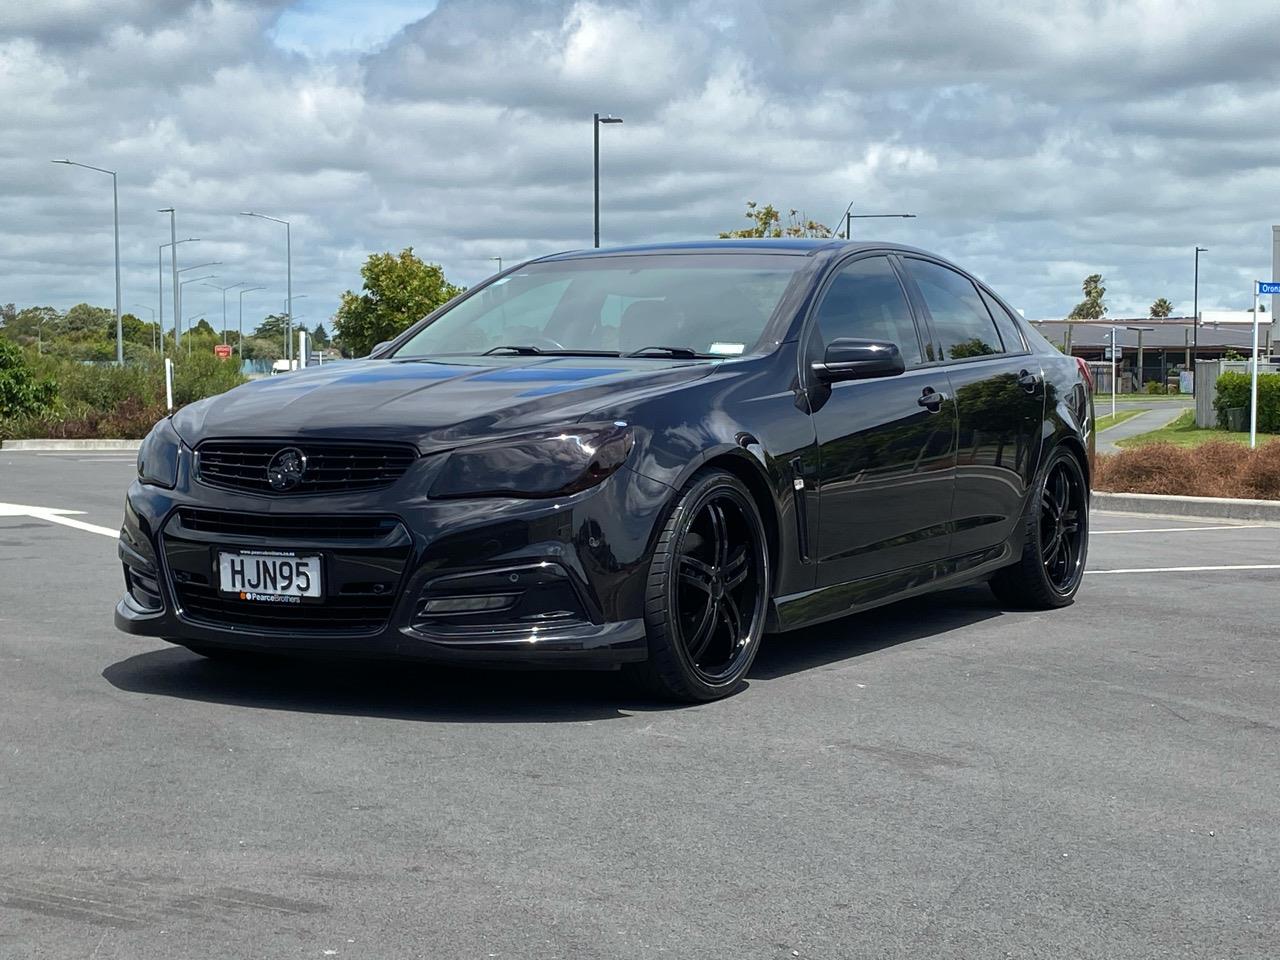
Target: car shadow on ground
(448, 694)
(907, 620)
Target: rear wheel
(707, 593)
(1056, 540)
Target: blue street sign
(1264, 287)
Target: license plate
(269, 576)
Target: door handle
(932, 400)
(1029, 381)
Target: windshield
(713, 305)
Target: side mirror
(849, 359)
(379, 347)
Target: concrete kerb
(14, 445)
(1207, 508)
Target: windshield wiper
(677, 353)
(528, 350)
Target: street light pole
(850, 216)
(240, 340)
(160, 289)
(153, 324)
(115, 205)
(230, 286)
(194, 266)
(1195, 318)
(173, 263)
(288, 253)
(499, 259)
(596, 120)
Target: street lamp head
(1202, 249)
(59, 161)
(609, 120)
(165, 210)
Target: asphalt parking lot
(937, 779)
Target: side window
(865, 301)
(1008, 327)
(960, 319)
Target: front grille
(331, 466)
(286, 526)
(363, 561)
(355, 610)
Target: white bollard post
(168, 382)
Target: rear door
(886, 446)
(999, 391)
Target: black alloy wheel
(708, 591)
(1063, 507)
(1056, 540)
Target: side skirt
(855, 596)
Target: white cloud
(1036, 142)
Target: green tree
(22, 393)
(1092, 307)
(272, 326)
(766, 221)
(1161, 308)
(87, 322)
(398, 291)
(320, 336)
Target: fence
(1207, 373)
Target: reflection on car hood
(434, 404)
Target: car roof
(779, 245)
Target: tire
(707, 593)
(1057, 521)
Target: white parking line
(54, 515)
(1237, 566)
(1225, 526)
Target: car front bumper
(572, 570)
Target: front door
(886, 446)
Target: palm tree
(1161, 308)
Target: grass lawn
(1185, 433)
(1100, 398)
(1106, 420)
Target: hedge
(1233, 391)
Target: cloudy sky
(1035, 141)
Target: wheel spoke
(737, 569)
(697, 644)
(733, 620)
(719, 535)
(694, 573)
(1071, 521)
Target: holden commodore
(643, 458)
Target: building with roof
(1167, 343)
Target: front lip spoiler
(588, 646)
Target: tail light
(1085, 372)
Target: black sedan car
(645, 458)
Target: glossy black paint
(871, 489)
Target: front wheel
(1056, 540)
(708, 592)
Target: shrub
(1233, 391)
(22, 391)
(1218, 468)
(1155, 386)
(104, 400)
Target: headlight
(158, 455)
(542, 465)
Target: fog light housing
(442, 606)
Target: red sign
(222, 351)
